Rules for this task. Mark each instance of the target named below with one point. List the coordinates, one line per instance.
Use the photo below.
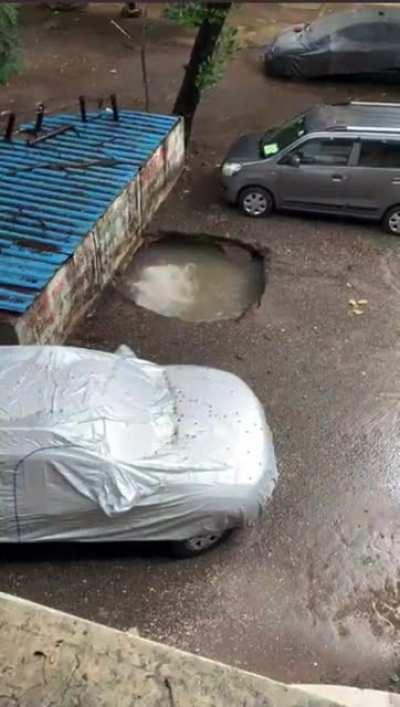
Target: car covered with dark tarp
(364, 41)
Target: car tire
(255, 202)
(391, 221)
(192, 547)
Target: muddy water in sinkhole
(195, 280)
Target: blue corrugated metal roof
(46, 209)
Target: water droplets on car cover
(99, 446)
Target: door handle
(338, 178)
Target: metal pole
(114, 106)
(10, 127)
(144, 62)
(82, 108)
(39, 118)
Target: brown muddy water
(194, 280)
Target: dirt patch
(8, 336)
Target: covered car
(360, 41)
(99, 446)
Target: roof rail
(360, 128)
(374, 103)
(329, 128)
(369, 129)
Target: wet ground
(196, 281)
(313, 593)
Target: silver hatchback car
(341, 159)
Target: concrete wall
(49, 658)
(117, 235)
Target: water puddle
(195, 280)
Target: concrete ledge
(353, 696)
(50, 658)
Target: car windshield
(276, 141)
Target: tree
(213, 46)
(9, 53)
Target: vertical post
(10, 127)
(39, 118)
(114, 106)
(82, 108)
(144, 62)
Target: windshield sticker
(271, 149)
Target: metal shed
(100, 174)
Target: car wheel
(255, 202)
(391, 221)
(197, 545)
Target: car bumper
(230, 189)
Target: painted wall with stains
(116, 236)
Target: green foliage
(212, 71)
(9, 52)
(191, 15)
(186, 14)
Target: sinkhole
(197, 279)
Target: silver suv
(336, 159)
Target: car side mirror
(294, 160)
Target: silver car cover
(100, 446)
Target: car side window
(379, 154)
(327, 152)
